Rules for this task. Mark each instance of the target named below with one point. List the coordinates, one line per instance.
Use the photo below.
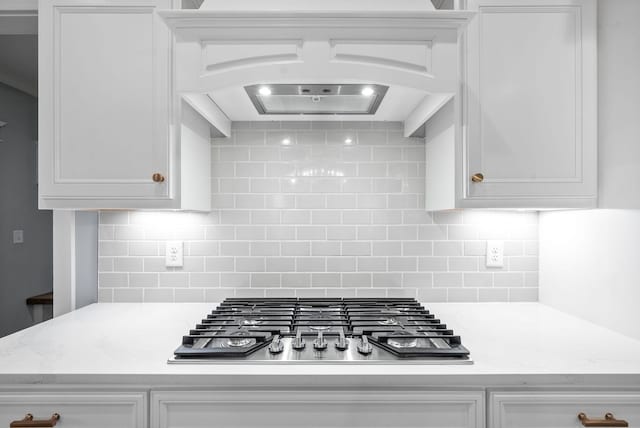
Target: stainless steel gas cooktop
(314, 331)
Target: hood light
(286, 142)
(367, 92)
(348, 141)
(265, 91)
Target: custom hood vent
(316, 98)
(375, 60)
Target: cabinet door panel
(531, 100)
(104, 122)
(236, 409)
(77, 410)
(559, 410)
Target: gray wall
(25, 269)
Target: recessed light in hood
(316, 98)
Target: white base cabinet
(262, 407)
(316, 409)
(77, 409)
(559, 409)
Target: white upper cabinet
(106, 107)
(526, 121)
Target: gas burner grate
(402, 327)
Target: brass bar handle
(477, 177)
(608, 421)
(28, 421)
(157, 177)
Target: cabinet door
(294, 409)
(76, 409)
(530, 99)
(559, 409)
(104, 110)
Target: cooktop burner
(349, 330)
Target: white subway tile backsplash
(190, 295)
(325, 248)
(433, 295)
(174, 279)
(127, 264)
(447, 248)
(523, 294)
(462, 295)
(281, 264)
(386, 248)
(403, 264)
(341, 264)
(372, 264)
(295, 248)
(112, 279)
(219, 264)
(250, 264)
(356, 248)
(417, 280)
(447, 279)
(357, 279)
(157, 295)
(386, 280)
(267, 248)
(310, 264)
(235, 280)
(205, 280)
(478, 279)
(464, 264)
(432, 264)
(403, 233)
(265, 217)
(262, 280)
(344, 201)
(323, 209)
(281, 232)
(296, 280)
(372, 233)
(325, 280)
(341, 233)
(128, 295)
(105, 264)
(113, 248)
(493, 294)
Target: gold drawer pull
(157, 177)
(28, 421)
(477, 178)
(608, 421)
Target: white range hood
(307, 54)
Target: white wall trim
(64, 262)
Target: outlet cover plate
(174, 254)
(495, 254)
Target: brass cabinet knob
(477, 178)
(157, 177)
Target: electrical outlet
(18, 236)
(495, 254)
(174, 255)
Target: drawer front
(76, 409)
(294, 409)
(558, 409)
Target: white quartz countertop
(510, 344)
